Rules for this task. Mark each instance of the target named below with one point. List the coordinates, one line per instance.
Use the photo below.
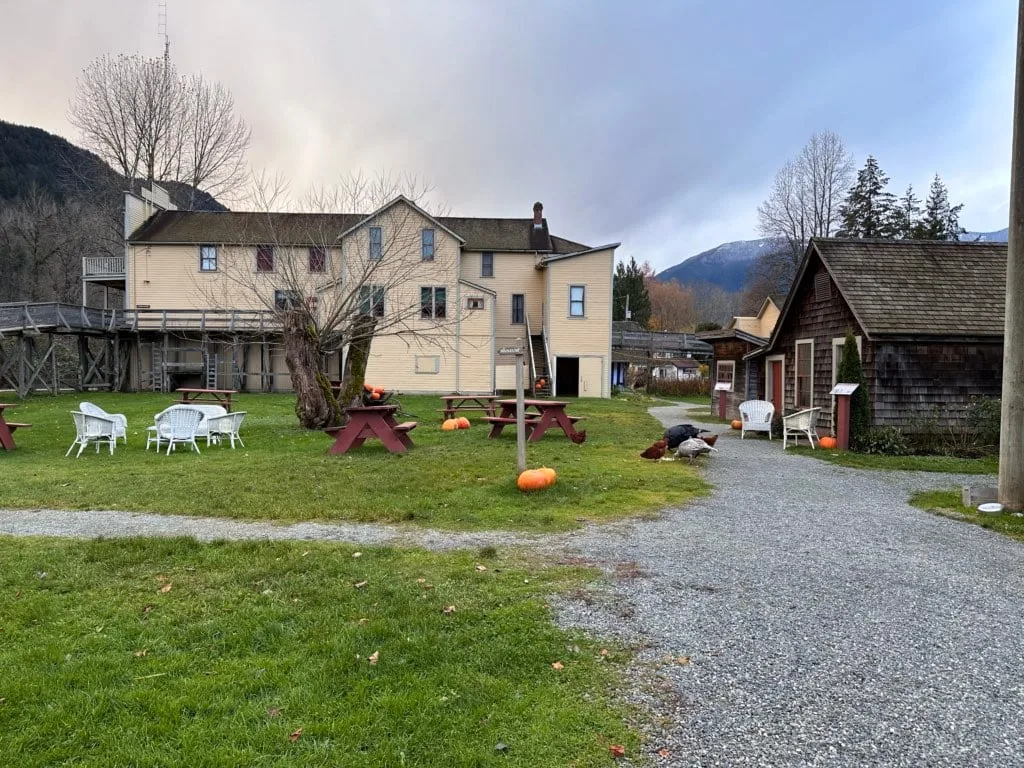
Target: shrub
(984, 417)
(851, 372)
(886, 441)
(680, 387)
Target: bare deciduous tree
(147, 121)
(806, 194)
(330, 294)
(671, 306)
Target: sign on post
(510, 350)
(842, 393)
(844, 389)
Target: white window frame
(768, 394)
(433, 302)
(582, 301)
(837, 355)
(731, 365)
(366, 293)
(474, 302)
(796, 374)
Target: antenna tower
(161, 27)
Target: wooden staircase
(541, 364)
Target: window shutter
(822, 287)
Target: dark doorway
(567, 377)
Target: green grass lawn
(145, 652)
(449, 479)
(950, 504)
(989, 465)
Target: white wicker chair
(119, 419)
(799, 423)
(225, 426)
(177, 424)
(209, 412)
(756, 416)
(98, 430)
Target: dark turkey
(675, 435)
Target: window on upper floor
(518, 308)
(577, 303)
(376, 243)
(317, 259)
(264, 258)
(487, 264)
(371, 300)
(427, 244)
(207, 258)
(433, 303)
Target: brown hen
(578, 436)
(656, 451)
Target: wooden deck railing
(102, 266)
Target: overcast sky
(659, 124)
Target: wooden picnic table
(549, 413)
(7, 428)
(455, 403)
(371, 421)
(217, 396)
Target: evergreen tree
(908, 216)
(869, 211)
(851, 372)
(941, 221)
(629, 281)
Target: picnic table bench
(221, 397)
(7, 428)
(371, 421)
(455, 403)
(549, 413)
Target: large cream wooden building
(450, 293)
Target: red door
(776, 369)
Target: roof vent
(822, 287)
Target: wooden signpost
(520, 407)
(842, 394)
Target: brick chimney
(538, 215)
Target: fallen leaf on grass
(557, 665)
(501, 747)
(617, 750)
(161, 579)
(663, 752)
(294, 735)
(360, 584)
(481, 567)
(448, 609)
(166, 588)
(374, 657)
(146, 609)
(273, 712)
(421, 581)
(357, 554)
(363, 622)
(147, 677)
(605, 652)
(139, 654)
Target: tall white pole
(1011, 442)
(520, 412)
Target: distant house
(927, 316)
(733, 344)
(654, 353)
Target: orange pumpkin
(549, 475)
(463, 422)
(379, 390)
(367, 387)
(450, 424)
(375, 395)
(828, 443)
(531, 480)
(737, 424)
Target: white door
(590, 376)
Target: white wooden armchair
(800, 424)
(98, 430)
(119, 419)
(756, 416)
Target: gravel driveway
(803, 614)
(826, 621)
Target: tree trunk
(354, 373)
(314, 403)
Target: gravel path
(826, 621)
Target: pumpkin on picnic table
(536, 479)
(449, 425)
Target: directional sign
(723, 386)
(510, 350)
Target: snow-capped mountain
(727, 264)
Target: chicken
(656, 451)
(710, 439)
(578, 436)
(692, 448)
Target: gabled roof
(563, 256)
(236, 227)
(922, 288)
(406, 201)
(723, 334)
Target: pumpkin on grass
(828, 442)
(449, 425)
(737, 424)
(536, 479)
(549, 474)
(463, 422)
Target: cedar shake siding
(929, 316)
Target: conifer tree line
(871, 211)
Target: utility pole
(626, 316)
(1011, 440)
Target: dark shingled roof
(317, 228)
(920, 287)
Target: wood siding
(748, 382)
